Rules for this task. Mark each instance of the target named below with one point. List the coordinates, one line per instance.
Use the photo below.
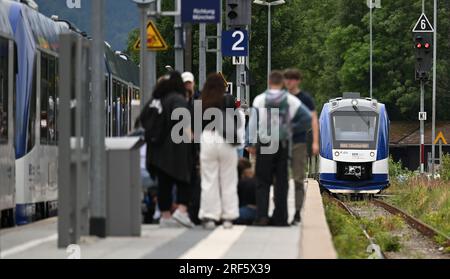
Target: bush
(397, 171)
(445, 167)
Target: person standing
(218, 159)
(189, 84)
(293, 79)
(169, 162)
(292, 116)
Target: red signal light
(427, 45)
(419, 45)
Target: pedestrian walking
(169, 162)
(218, 158)
(292, 116)
(293, 80)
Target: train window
(355, 127)
(31, 137)
(4, 66)
(48, 99)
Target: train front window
(355, 130)
(4, 65)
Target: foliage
(329, 41)
(397, 172)
(445, 167)
(426, 200)
(348, 239)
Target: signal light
(427, 45)
(419, 45)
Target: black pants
(268, 168)
(165, 190)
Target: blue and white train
(29, 76)
(354, 146)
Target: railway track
(423, 228)
(417, 236)
(378, 252)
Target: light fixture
(355, 103)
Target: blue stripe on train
(329, 180)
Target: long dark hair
(213, 92)
(172, 83)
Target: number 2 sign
(235, 43)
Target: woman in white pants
(218, 160)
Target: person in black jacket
(171, 162)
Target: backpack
(154, 122)
(284, 120)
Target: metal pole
(151, 62)
(269, 44)
(247, 62)
(179, 51)
(98, 156)
(422, 128)
(202, 58)
(423, 6)
(433, 133)
(219, 62)
(188, 48)
(143, 71)
(371, 49)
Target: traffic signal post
(423, 45)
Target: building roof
(408, 133)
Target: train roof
(121, 67)
(44, 31)
(5, 26)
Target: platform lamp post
(269, 30)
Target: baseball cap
(188, 77)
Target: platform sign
(423, 25)
(235, 43)
(201, 11)
(155, 41)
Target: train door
(48, 100)
(7, 154)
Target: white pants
(219, 198)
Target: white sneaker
(209, 225)
(169, 223)
(183, 219)
(227, 225)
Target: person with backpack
(276, 115)
(170, 162)
(218, 156)
(293, 79)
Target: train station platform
(307, 240)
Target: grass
(348, 238)
(426, 200)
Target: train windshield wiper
(362, 116)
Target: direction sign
(201, 11)
(155, 41)
(235, 43)
(423, 25)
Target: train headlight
(355, 103)
(372, 154)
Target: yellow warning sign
(440, 137)
(155, 41)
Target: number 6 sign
(235, 43)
